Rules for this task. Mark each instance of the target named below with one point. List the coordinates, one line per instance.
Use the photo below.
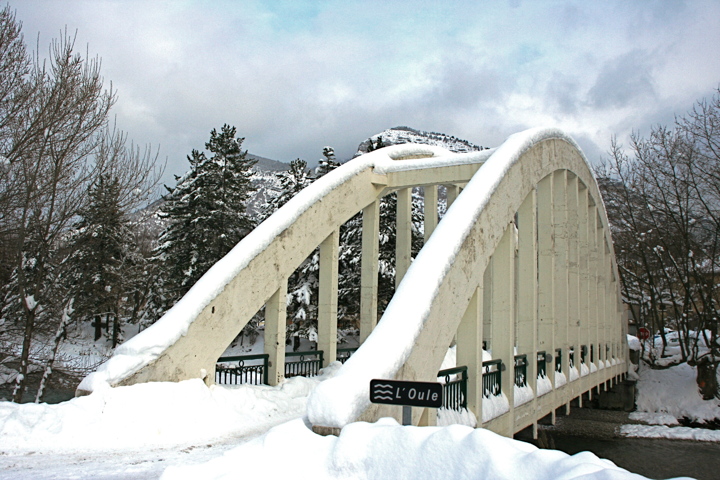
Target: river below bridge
(594, 430)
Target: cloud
(294, 76)
(624, 81)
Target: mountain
(268, 165)
(400, 135)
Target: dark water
(653, 458)
(594, 431)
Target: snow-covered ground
(187, 430)
(664, 396)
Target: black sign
(413, 394)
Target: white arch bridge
(521, 263)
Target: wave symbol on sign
(383, 391)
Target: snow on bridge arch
(463, 278)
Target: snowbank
(151, 415)
(674, 391)
(388, 450)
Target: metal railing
(492, 378)
(571, 357)
(558, 360)
(255, 374)
(344, 353)
(304, 367)
(454, 390)
(583, 354)
(541, 364)
(521, 364)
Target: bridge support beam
(503, 316)
(430, 193)
(275, 327)
(560, 274)
(403, 234)
(369, 269)
(546, 280)
(527, 293)
(452, 192)
(469, 351)
(327, 297)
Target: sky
(296, 75)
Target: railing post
(546, 269)
(275, 327)
(327, 295)
(403, 234)
(503, 314)
(369, 269)
(560, 251)
(573, 263)
(469, 351)
(527, 284)
(452, 192)
(430, 194)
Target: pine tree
(102, 259)
(291, 182)
(207, 215)
(327, 163)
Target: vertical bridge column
(561, 284)
(527, 283)
(546, 277)
(593, 284)
(430, 193)
(503, 316)
(573, 293)
(584, 284)
(469, 351)
(275, 328)
(369, 269)
(403, 234)
(327, 297)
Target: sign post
(407, 394)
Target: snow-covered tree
(663, 201)
(327, 163)
(206, 212)
(103, 260)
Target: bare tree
(55, 141)
(664, 204)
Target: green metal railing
(241, 373)
(491, 378)
(541, 365)
(454, 390)
(572, 357)
(558, 360)
(521, 364)
(344, 353)
(304, 367)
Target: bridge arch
(522, 260)
(526, 246)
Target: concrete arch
(444, 288)
(522, 259)
(187, 341)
